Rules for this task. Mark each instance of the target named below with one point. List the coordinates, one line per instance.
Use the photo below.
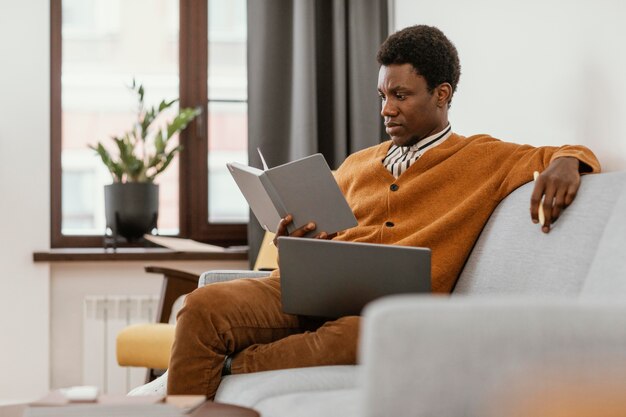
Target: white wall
(24, 197)
(72, 281)
(41, 306)
(536, 71)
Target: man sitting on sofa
(426, 187)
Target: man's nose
(388, 109)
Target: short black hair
(427, 49)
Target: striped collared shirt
(400, 158)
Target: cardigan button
(394, 187)
(389, 224)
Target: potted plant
(142, 153)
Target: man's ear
(444, 94)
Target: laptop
(327, 278)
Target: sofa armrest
(482, 357)
(175, 284)
(211, 277)
(145, 345)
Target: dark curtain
(312, 76)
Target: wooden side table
(209, 409)
(14, 410)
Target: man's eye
(400, 96)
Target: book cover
(304, 188)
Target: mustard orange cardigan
(445, 198)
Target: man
(426, 187)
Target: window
(227, 87)
(192, 49)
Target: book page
(265, 168)
(183, 245)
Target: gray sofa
(531, 314)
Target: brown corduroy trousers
(244, 319)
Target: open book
(305, 188)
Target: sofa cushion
(156, 387)
(328, 403)
(250, 389)
(512, 255)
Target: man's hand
(558, 186)
(282, 230)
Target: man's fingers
(559, 204)
(572, 190)
(325, 236)
(281, 230)
(564, 197)
(282, 225)
(555, 189)
(300, 232)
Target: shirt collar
(431, 141)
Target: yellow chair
(149, 345)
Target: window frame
(193, 92)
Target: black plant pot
(131, 209)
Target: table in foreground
(208, 409)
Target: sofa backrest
(512, 255)
(607, 274)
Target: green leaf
(166, 104)
(169, 157)
(132, 166)
(148, 118)
(159, 143)
(142, 153)
(180, 122)
(114, 168)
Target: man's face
(411, 112)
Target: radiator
(103, 318)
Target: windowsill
(133, 254)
